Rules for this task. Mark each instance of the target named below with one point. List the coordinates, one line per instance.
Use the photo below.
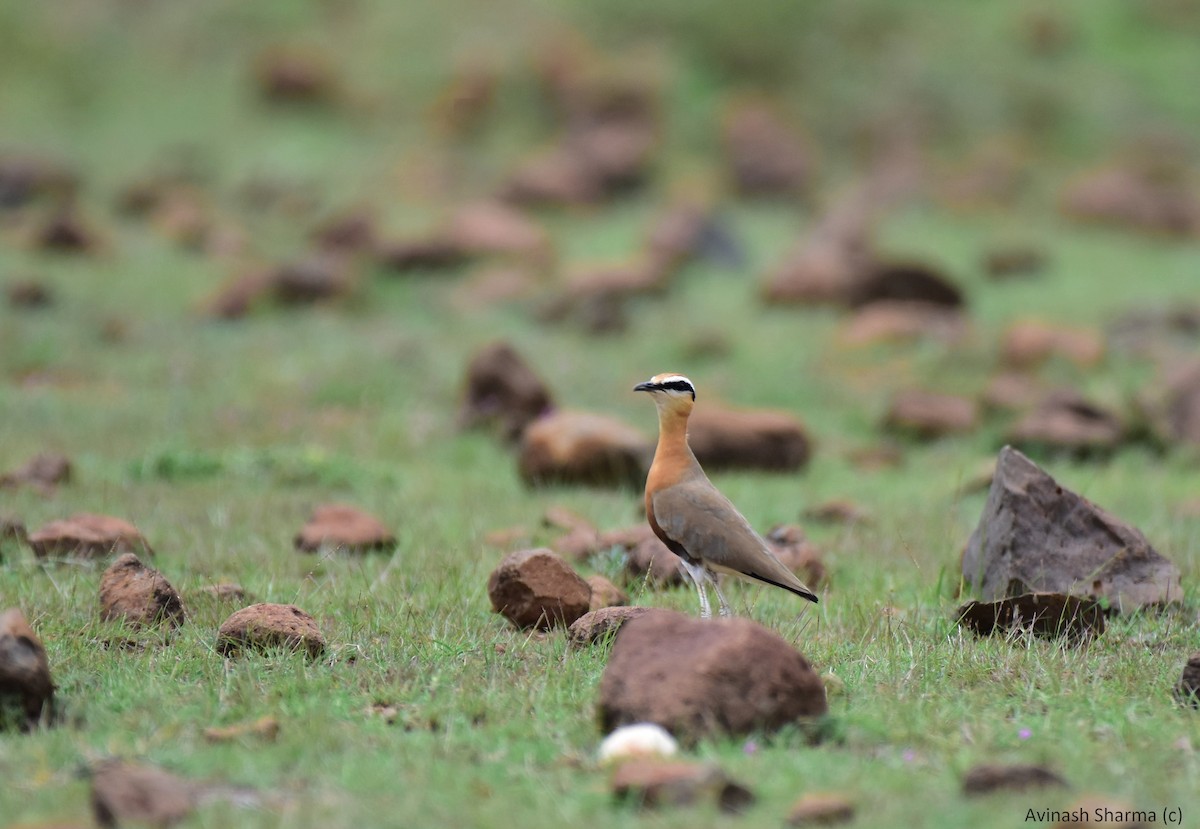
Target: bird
(691, 516)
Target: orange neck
(673, 458)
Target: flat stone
(595, 625)
(88, 536)
(664, 783)
(821, 809)
(986, 779)
(572, 447)
(124, 793)
(1042, 614)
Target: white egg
(641, 740)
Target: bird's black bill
(646, 387)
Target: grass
(216, 439)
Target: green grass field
(216, 439)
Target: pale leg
(696, 571)
(726, 610)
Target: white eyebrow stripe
(676, 378)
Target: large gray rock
(701, 677)
(1036, 536)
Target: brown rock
(124, 793)
(838, 511)
(596, 625)
(1029, 343)
(646, 557)
(890, 322)
(138, 595)
(26, 690)
(986, 779)
(905, 282)
(1188, 689)
(293, 75)
(435, 252)
(44, 471)
(493, 228)
(577, 545)
(821, 810)
(927, 415)
(343, 527)
(765, 157)
(345, 232)
(1042, 614)
(12, 529)
(66, 232)
(1064, 420)
(697, 677)
(317, 278)
(1036, 536)
(553, 176)
(1132, 199)
(605, 593)
(566, 519)
(268, 626)
(571, 447)
(502, 388)
(1004, 263)
(1173, 407)
(1012, 391)
(658, 783)
(239, 295)
(536, 588)
(224, 591)
(798, 554)
(724, 438)
(264, 728)
(29, 294)
(24, 178)
(88, 536)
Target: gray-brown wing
(706, 524)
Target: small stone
(1067, 422)
(838, 511)
(724, 438)
(926, 415)
(1042, 614)
(343, 527)
(26, 690)
(266, 626)
(226, 591)
(138, 595)
(821, 809)
(124, 793)
(88, 536)
(502, 388)
(44, 471)
(895, 322)
(986, 779)
(566, 447)
(793, 549)
(538, 589)
(605, 593)
(596, 625)
(658, 783)
(1188, 689)
(1029, 343)
(265, 728)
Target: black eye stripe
(680, 385)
